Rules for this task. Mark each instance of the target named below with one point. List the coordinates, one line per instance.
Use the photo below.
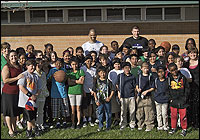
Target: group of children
(134, 89)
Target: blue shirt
(126, 85)
(58, 90)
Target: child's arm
(147, 91)
(25, 91)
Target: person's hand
(108, 99)
(144, 92)
(139, 90)
(33, 97)
(20, 76)
(92, 93)
(97, 103)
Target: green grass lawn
(91, 133)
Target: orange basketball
(166, 45)
(60, 76)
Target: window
(55, 16)
(4, 17)
(93, 15)
(192, 13)
(114, 14)
(18, 16)
(133, 13)
(37, 16)
(154, 13)
(172, 13)
(75, 15)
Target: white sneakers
(19, 125)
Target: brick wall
(73, 35)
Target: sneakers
(57, 126)
(46, 125)
(172, 131)
(183, 133)
(19, 125)
(132, 127)
(91, 124)
(99, 129)
(139, 129)
(78, 126)
(64, 126)
(29, 134)
(73, 126)
(147, 130)
(96, 122)
(84, 124)
(122, 127)
(166, 128)
(159, 128)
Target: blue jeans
(107, 108)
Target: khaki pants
(127, 103)
(145, 113)
(162, 116)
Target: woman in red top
(11, 72)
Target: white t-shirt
(89, 75)
(112, 75)
(186, 72)
(32, 83)
(87, 47)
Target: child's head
(126, 49)
(59, 63)
(88, 60)
(53, 56)
(38, 54)
(176, 49)
(66, 56)
(145, 52)
(173, 69)
(133, 51)
(119, 55)
(145, 67)
(5, 48)
(71, 50)
(22, 58)
(161, 71)
(48, 48)
(104, 49)
(126, 66)
(94, 55)
(134, 59)
(160, 51)
(193, 53)
(103, 59)
(116, 63)
(30, 65)
(101, 71)
(152, 56)
(39, 63)
(114, 46)
(79, 51)
(190, 42)
(74, 63)
(151, 44)
(20, 50)
(170, 57)
(178, 60)
(30, 48)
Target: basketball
(166, 45)
(60, 76)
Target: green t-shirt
(3, 63)
(136, 71)
(77, 89)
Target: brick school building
(66, 23)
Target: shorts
(29, 115)
(75, 100)
(87, 100)
(59, 106)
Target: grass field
(91, 133)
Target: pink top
(193, 67)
